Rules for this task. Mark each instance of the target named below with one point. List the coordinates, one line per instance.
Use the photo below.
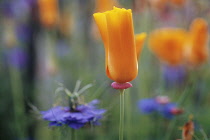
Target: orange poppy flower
(48, 12)
(196, 48)
(168, 44)
(116, 28)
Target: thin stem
(18, 101)
(122, 108)
(73, 136)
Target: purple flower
(147, 105)
(77, 118)
(16, 57)
(166, 110)
(162, 107)
(16, 8)
(173, 75)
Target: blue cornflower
(74, 118)
(167, 110)
(160, 105)
(147, 105)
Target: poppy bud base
(116, 85)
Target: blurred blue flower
(11, 8)
(166, 110)
(159, 104)
(173, 75)
(77, 118)
(148, 105)
(16, 57)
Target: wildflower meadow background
(53, 78)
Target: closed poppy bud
(168, 44)
(116, 28)
(196, 48)
(48, 12)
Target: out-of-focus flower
(161, 105)
(197, 48)
(116, 28)
(11, 8)
(74, 118)
(169, 110)
(162, 99)
(161, 4)
(105, 5)
(16, 57)
(48, 12)
(168, 44)
(65, 24)
(173, 75)
(188, 131)
(158, 4)
(178, 2)
(147, 105)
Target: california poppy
(48, 12)
(196, 48)
(168, 44)
(116, 28)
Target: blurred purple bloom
(147, 105)
(166, 110)
(16, 57)
(83, 114)
(16, 8)
(153, 105)
(173, 75)
(23, 32)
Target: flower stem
(73, 136)
(18, 101)
(121, 126)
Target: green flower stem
(18, 102)
(122, 108)
(73, 134)
(181, 100)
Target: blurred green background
(46, 42)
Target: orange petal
(198, 40)
(122, 63)
(140, 38)
(168, 44)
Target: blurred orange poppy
(48, 12)
(104, 5)
(178, 2)
(116, 28)
(196, 48)
(168, 44)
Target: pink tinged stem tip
(116, 85)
